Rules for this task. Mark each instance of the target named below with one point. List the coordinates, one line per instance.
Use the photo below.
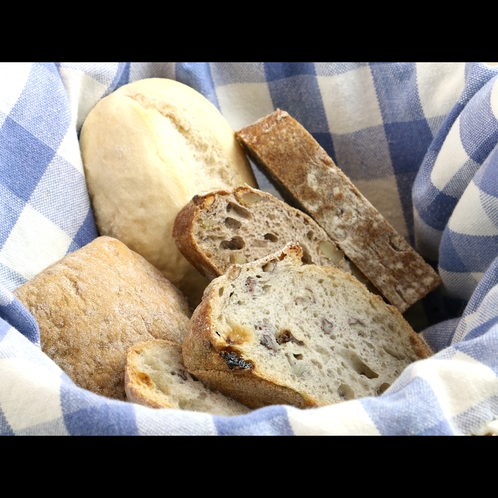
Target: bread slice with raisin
(156, 377)
(216, 230)
(276, 331)
(308, 176)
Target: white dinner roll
(147, 149)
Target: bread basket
(417, 139)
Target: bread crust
(206, 227)
(222, 349)
(155, 376)
(183, 233)
(97, 302)
(302, 168)
(202, 356)
(147, 148)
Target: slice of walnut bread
(222, 228)
(308, 176)
(275, 331)
(156, 377)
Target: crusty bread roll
(147, 149)
(276, 331)
(97, 302)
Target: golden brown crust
(185, 241)
(240, 225)
(202, 356)
(94, 304)
(280, 145)
(421, 348)
(234, 342)
(252, 390)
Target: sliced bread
(156, 377)
(308, 176)
(216, 230)
(275, 331)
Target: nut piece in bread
(156, 377)
(147, 149)
(97, 302)
(276, 331)
(295, 160)
(222, 228)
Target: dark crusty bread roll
(97, 302)
(295, 160)
(276, 331)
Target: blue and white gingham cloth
(419, 140)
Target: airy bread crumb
(277, 331)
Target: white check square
(34, 243)
(243, 103)
(350, 101)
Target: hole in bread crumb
(238, 210)
(233, 244)
(180, 373)
(383, 387)
(232, 223)
(270, 266)
(145, 379)
(310, 235)
(271, 237)
(359, 365)
(392, 352)
(306, 259)
(345, 392)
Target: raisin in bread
(309, 177)
(155, 376)
(276, 331)
(216, 230)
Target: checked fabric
(418, 139)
